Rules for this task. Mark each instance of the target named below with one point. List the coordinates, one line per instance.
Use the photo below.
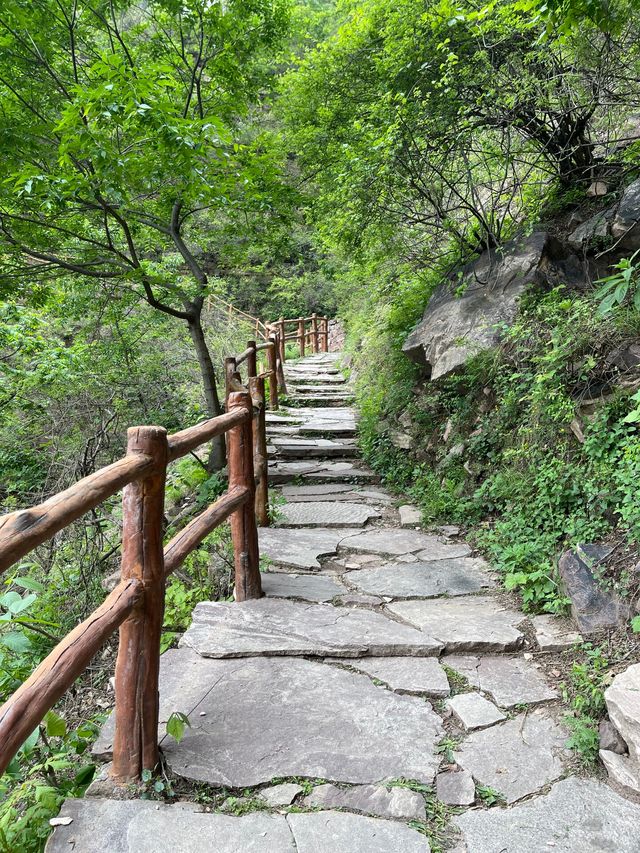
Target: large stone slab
(299, 549)
(510, 681)
(515, 758)
(139, 826)
(416, 676)
(459, 576)
(326, 514)
(576, 816)
(623, 702)
(330, 832)
(476, 623)
(394, 802)
(314, 491)
(266, 718)
(394, 540)
(143, 826)
(272, 626)
(305, 587)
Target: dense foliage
(293, 157)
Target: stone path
(375, 696)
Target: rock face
(454, 328)
(621, 223)
(593, 608)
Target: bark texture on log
(243, 522)
(22, 531)
(135, 746)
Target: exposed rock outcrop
(619, 224)
(592, 607)
(455, 328)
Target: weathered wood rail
(136, 605)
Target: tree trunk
(217, 457)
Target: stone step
(326, 514)
(144, 826)
(319, 472)
(337, 400)
(313, 447)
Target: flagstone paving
(328, 702)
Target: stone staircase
(380, 696)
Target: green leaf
(176, 725)
(635, 624)
(29, 583)
(16, 641)
(56, 726)
(85, 776)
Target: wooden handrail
(24, 530)
(136, 605)
(23, 711)
(181, 443)
(183, 543)
(316, 335)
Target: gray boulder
(455, 328)
(592, 607)
(619, 224)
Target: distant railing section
(310, 333)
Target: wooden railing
(136, 605)
(310, 333)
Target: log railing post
(243, 521)
(314, 333)
(260, 461)
(272, 363)
(252, 366)
(135, 745)
(326, 334)
(229, 370)
(282, 338)
(301, 337)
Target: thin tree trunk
(217, 457)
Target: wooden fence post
(314, 333)
(272, 363)
(283, 342)
(243, 521)
(252, 367)
(325, 334)
(260, 460)
(229, 370)
(301, 337)
(282, 385)
(135, 745)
